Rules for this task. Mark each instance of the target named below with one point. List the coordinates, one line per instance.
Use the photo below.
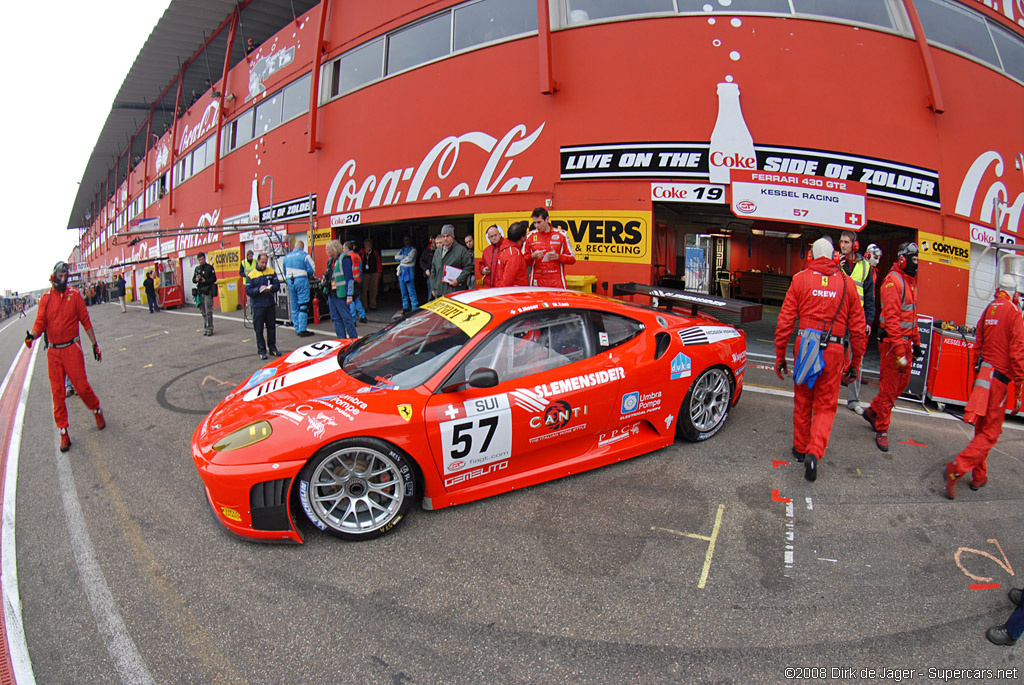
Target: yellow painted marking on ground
(153, 336)
(200, 643)
(710, 539)
(763, 340)
(863, 475)
(122, 349)
(1004, 564)
(247, 340)
(215, 380)
(148, 366)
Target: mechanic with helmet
(863, 276)
(898, 340)
(61, 310)
(1001, 341)
(825, 301)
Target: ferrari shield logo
(405, 411)
(824, 281)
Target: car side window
(613, 329)
(534, 342)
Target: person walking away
(1007, 634)
(338, 283)
(298, 269)
(121, 292)
(547, 252)
(860, 271)
(61, 312)
(517, 234)
(502, 264)
(371, 275)
(825, 301)
(356, 305)
(407, 276)
(261, 285)
(205, 279)
(898, 340)
(150, 287)
(1001, 344)
(452, 267)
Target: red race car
(474, 395)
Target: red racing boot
(978, 484)
(100, 422)
(65, 440)
(951, 476)
(881, 440)
(870, 416)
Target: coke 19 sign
(800, 199)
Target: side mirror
(483, 378)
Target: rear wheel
(357, 489)
(706, 405)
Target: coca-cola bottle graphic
(732, 146)
(254, 205)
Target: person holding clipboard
(452, 267)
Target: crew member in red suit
(820, 295)
(502, 264)
(899, 341)
(547, 251)
(61, 310)
(1001, 341)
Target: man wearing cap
(859, 270)
(899, 340)
(1001, 341)
(61, 311)
(205, 279)
(547, 252)
(452, 267)
(825, 301)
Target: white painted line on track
(127, 661)
(27, 318)
(17, 648)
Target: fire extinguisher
(316, 309)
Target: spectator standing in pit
(471, 246)
(502, 264)
(261, 285)
(205, 279)
(452, 268)
(859, 270)
(1007, 634)
(247, 265)
(547, 252)
(407, 276)
(356, 305)
(121, 292)
(371, 275)
(61, 311)
(427, 258)
(1001, 341)
(825, 301)
(298, 269)
(898, 340)
(150, 288)
(338, 282)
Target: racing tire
(706, 405)
(357, 489)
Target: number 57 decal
(480, 432)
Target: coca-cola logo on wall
(438, 174)
(190, 135)
(984, 195)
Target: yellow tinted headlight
(244, 437)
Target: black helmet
(60, 267)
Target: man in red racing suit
(502, 264)
(61, 310)
(547, 250)
(816, 296)
(1001, 340)
(899, 340)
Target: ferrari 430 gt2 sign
(799, 199)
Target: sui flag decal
(680, 367)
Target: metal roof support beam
(314, 88)
(548, 86)
(174, 138)
(934, 90)
(217, 185)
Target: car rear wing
(669, 298)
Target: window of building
(238, 132)
(296, 98)
(957, 28)
(1011, 51)
(874, 12)
(356, 68)
(199, 159)
(582, 11)
(268, 114)
(767, 6)
(490, 20)
(419, 43)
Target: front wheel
(357, 489)
(706, 405)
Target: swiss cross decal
(853, 218)
(450, 412)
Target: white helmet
(872, 254)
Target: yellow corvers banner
(596, 236)
(942, 250)
(321, 236)
(225, 262)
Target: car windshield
(406, 353)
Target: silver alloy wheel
(709, 399)
(357, 490)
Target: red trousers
(68, 361)
(892, 381)
(986, 433)
(814, 409)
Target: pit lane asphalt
(593, 578)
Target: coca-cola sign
(984, 195)
(437, 175)
(1011, 9)
(190, 136)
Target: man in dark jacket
(261, 284)
(150, 289)
(452, 267)
(205, 279)
(120, 285)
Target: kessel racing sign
(798, 199)
(596, 236)
(942, 250)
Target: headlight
(244, 437)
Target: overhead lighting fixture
(794, 236)
(757, 231)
